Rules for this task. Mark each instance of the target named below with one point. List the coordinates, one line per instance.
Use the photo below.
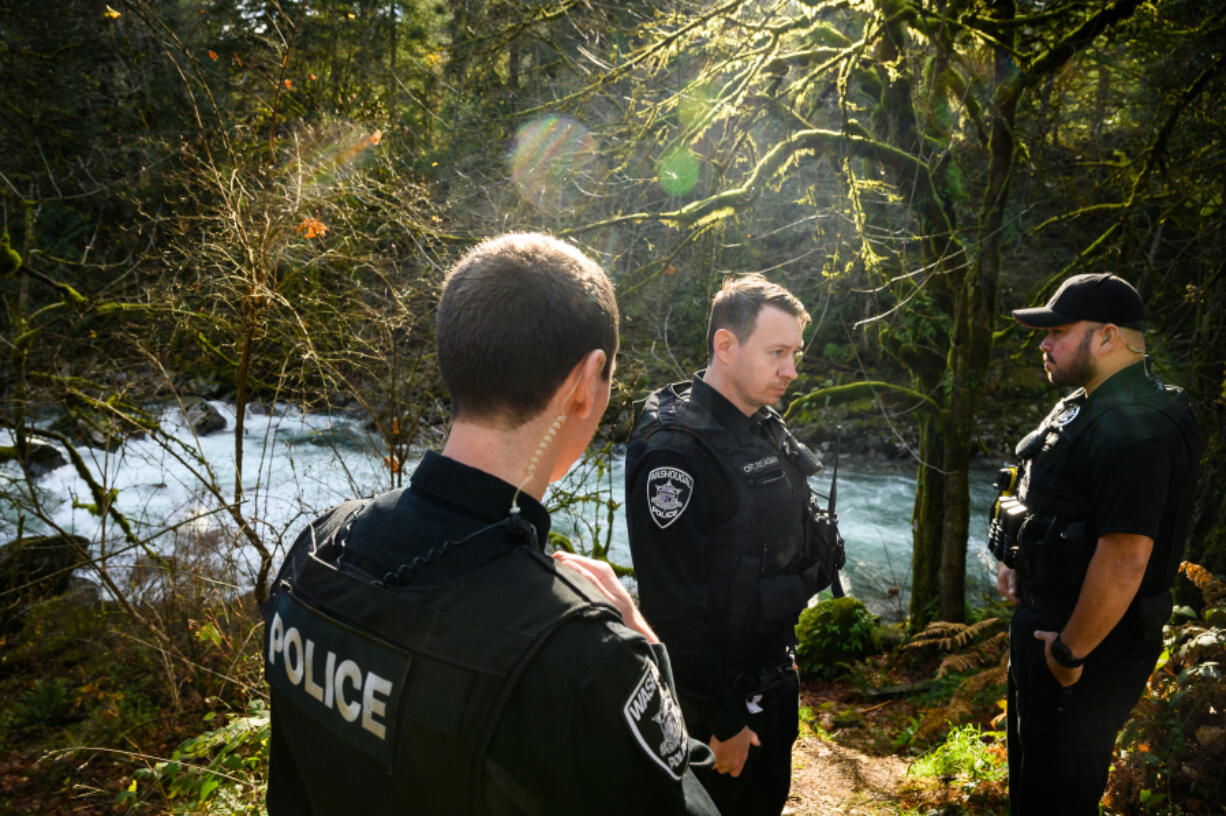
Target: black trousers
(1061, 739)
(762, 788)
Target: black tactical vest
(414, 677)
(754, 553)
(1059, 533)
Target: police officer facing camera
(424, 656)
(725, 551)
(1089, 529)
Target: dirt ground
(828, 778)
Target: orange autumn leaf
(289, 83)
(213, 55)
(312, 228)
(376, 137)
(311, 77)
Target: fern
(948, 635)
(1212, 588)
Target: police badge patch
(1066, 416)
(668, 494)
(655, 721)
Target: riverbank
(162, 708)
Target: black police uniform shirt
(670, 523)
(1131, 469)
(568, 741)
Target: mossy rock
(838, 630)
(40, 459)
(33, 569)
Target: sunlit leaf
(110, 13)
(312, 228)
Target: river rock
(341, 437)
(91, 429)
(339, 399)
(42, 459)
(35, 568)
(203, 418)
(203, 387)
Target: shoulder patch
(668, 494)
(657, 725)
(1066, 416)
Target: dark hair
(738, 302)
(517, 313)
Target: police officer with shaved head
(725, 537)
(1089, 528)
(424, 655)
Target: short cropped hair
(738, 302)
(517, 313)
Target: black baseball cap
(1097, 296)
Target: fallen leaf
(312, 228)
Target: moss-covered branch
(838, 394)
(1055, 57)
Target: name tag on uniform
(346, 681)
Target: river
(296, 465)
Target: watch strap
(1063, 655)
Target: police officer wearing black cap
(724, 543)
(1089, 527)
(424, 656)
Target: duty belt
(1047, 606)
(763, 680)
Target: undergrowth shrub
(835, 631)
(967, 773)
(221, 772)
(1170, 755)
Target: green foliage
(222, 771)
(1170, 754)
(46, 703)
(835, 631)
(967, 754)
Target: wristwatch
(1063, 655)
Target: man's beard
(1078, 370)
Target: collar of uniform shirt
(721, 408)
(1131, 378)
(475, 490)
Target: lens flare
(323, 157)
(547, 157)
(678, 171)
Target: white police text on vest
(336, 682)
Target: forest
(254, 202)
